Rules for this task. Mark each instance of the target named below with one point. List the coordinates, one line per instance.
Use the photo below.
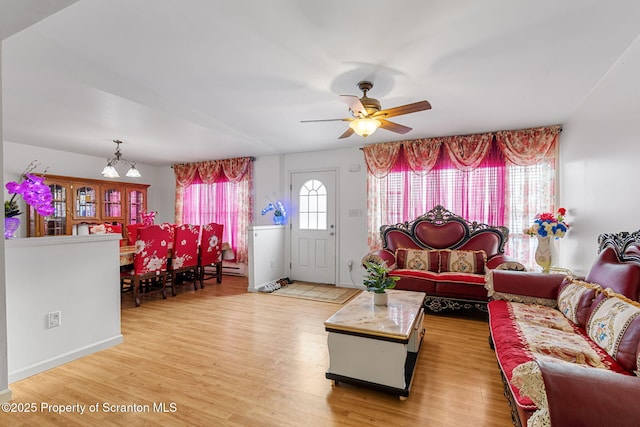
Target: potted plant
(34, 192)
(377, 280)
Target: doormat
(317, 292)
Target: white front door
(313, 229)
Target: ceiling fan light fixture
(364, 127)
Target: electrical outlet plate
(55, 319)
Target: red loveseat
(569, 349)
(445, 256)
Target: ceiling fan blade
(347, 133)
(354, 104)
(403, 109)
(394, 127)
(326, 120)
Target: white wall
(5, 393)
(599, 153)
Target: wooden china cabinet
(88, 201)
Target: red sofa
(445, 256)
(569, 349)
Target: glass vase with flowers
(34, 192)
(547, 227)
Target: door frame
(288, 231)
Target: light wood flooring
(225, 357)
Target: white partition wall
(266, 255)
(74, 277)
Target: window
(313, 205)
(217, 202)
(488, 188)
(217, 191)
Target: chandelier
(110, 171)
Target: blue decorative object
(279, 214)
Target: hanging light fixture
(364, 127)
(110, 171)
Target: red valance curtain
(520, 147)
(528, 146)
(217, 191)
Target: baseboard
(5, 395)
(234, 269)
(53, 362)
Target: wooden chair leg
(219, 272)
(201, 268)
(164, 282)
(195, 278)
(136, 290)
(173, 283)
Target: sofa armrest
(584, 396)
(523, 286)
(503, 262)
(380, 256)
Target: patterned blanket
(526, 332)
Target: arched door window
(313, 205)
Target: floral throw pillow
(459, 261)
(615, 326)
(575, 298)
(417, 259)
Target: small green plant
(377, 279)
(11, 208)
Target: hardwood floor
(224, 357)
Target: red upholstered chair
(211, 251)
(185, 253)
(170, 228)
(132, 233)
(149, 262)
(114, 229)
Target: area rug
(317, 292)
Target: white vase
(546, 253)
(380, 298)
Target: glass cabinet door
(112, 204)
(85, 203)
(56, 223)
(136, 206)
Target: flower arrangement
(148, 218)
(34, 192)
(279, 212)
(548, 224)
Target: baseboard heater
(234, 269)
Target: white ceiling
(188, 80)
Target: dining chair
(149, 262)
(211, 251)
(184, 258)
(132, 233)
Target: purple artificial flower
(33, 190)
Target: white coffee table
(377, 346)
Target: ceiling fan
(368, 114)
